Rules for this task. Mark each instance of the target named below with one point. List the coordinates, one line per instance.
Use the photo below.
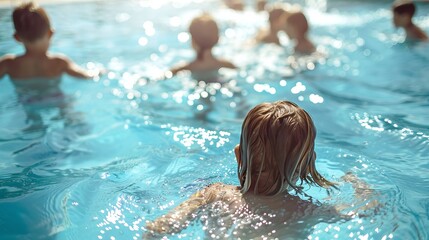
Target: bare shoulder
(422, 35)
(215, 186)
(212, 189)
(69, 67)
(7, 59)
(226, 64)
(181, 67)
(6, 63)
(416, 33)
(60, 58)
(261, 35)
(220, 191)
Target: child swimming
(296, 27)
(275, 156)
(291, 20)
(33, 29)
(276, 22)
(403, 12)
(205, 35)
(37, 73)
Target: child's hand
(96, 70)
(349, 177)
(363, 191)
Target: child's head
(204, 32)
(296, 26)
(32, 25)
(237, 5)
(276, 17)
(403, 12)
(260, 5)
(277, 149)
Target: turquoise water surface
(99, 158)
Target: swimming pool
(124, 149)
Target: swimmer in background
(33, 30)
(275, 156)
(205, 35)
(296, 27)
(276, 22)
(37, 73)
(293, 22)
(403, 12)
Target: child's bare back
(41, 66)
(225, 212)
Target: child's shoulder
(213, 188)
(6, 62)
(221, 186)
(220, 191)
(59, 60)
(183, 66)
(7, 58)
(226, 64)
(59, 57)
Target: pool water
(99, 158)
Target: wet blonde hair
(204, 32)
(277, 142)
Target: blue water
(104, 156)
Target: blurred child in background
(403, 12)
(276, 22)
(36, 74)
(205, 35)
(33, 30)
(293, 22)
(296, 27)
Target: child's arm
(4, 65)
(74, 70)
(180, 68)
(180, 217)
(363, 192)
(227, 64)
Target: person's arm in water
(75, 70)
(4, 65)
(226, 64)
(363, 193)
(180, 217)
(179, 68)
